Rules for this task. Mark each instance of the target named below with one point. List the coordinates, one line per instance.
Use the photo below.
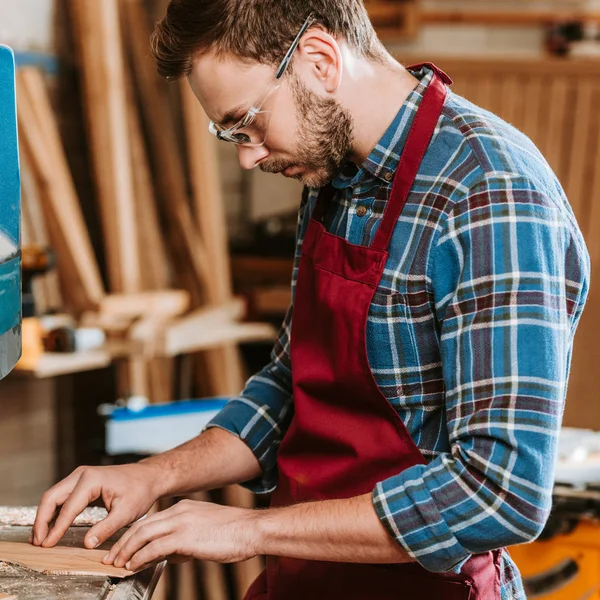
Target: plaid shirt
(469, 334)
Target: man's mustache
(275, 166)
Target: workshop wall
(257, 195)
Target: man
(407, 423)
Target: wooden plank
(207, 194)
(532, 123)
(60, 560)
(53, 365)
(46, 288)
(591, 229)
(166, 303)
(271, 301)
(483, 93)
(185, 337)
(28, 238)
(97, 32)
(511, 104)
(43, 151)
(477, 67)
(164, 145)
(394, 20)
(553, 140)
(580, 148)
(155, 266)
(526, 18)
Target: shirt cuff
(252, 424)
(411, 517)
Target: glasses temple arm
(288, 57)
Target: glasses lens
(255, 133)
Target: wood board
(7, 597)
(98, 38)
(43, 152)
(60, 560)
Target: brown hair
(253, 30)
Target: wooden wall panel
(557, 104)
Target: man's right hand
(128, 493)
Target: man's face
(309, 135)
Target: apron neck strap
(418, 141)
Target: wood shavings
(25, 516)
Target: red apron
(345, 437)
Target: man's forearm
(331, 530)
(214, 459)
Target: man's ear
(320, 57)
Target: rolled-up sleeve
(510, 275)
(261, 414)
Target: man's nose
(250, 157)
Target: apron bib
(345, 437)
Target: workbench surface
(15, 526)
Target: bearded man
(407, 423)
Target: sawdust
(28, 585)
(25, 516)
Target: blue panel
(10, 262)
(46, 62)
(168, 410)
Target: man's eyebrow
(234, 115)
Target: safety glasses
(251, 130)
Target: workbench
(15, 526)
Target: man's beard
(325, 138)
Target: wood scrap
(155, 266)
(46, 288)
(60, 560)
(161, 129)
(97, 33)
(190, 335)
(166, 303)
(44, 155)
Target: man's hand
(128, 493)
(189, 529)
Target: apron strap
(414, 151)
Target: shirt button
(389, 176)
(361, 211)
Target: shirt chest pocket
(392, 344)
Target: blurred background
(156, 271)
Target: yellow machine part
(543, 560)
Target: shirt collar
(383, 161)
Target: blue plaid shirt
(469, 334)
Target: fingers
(152, 553)
(49, 502)
(143, 536)
(114, 551)
(83, 494)
(117, 519)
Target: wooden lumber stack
(168, 290)
(44, 160)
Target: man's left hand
(190, 530)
